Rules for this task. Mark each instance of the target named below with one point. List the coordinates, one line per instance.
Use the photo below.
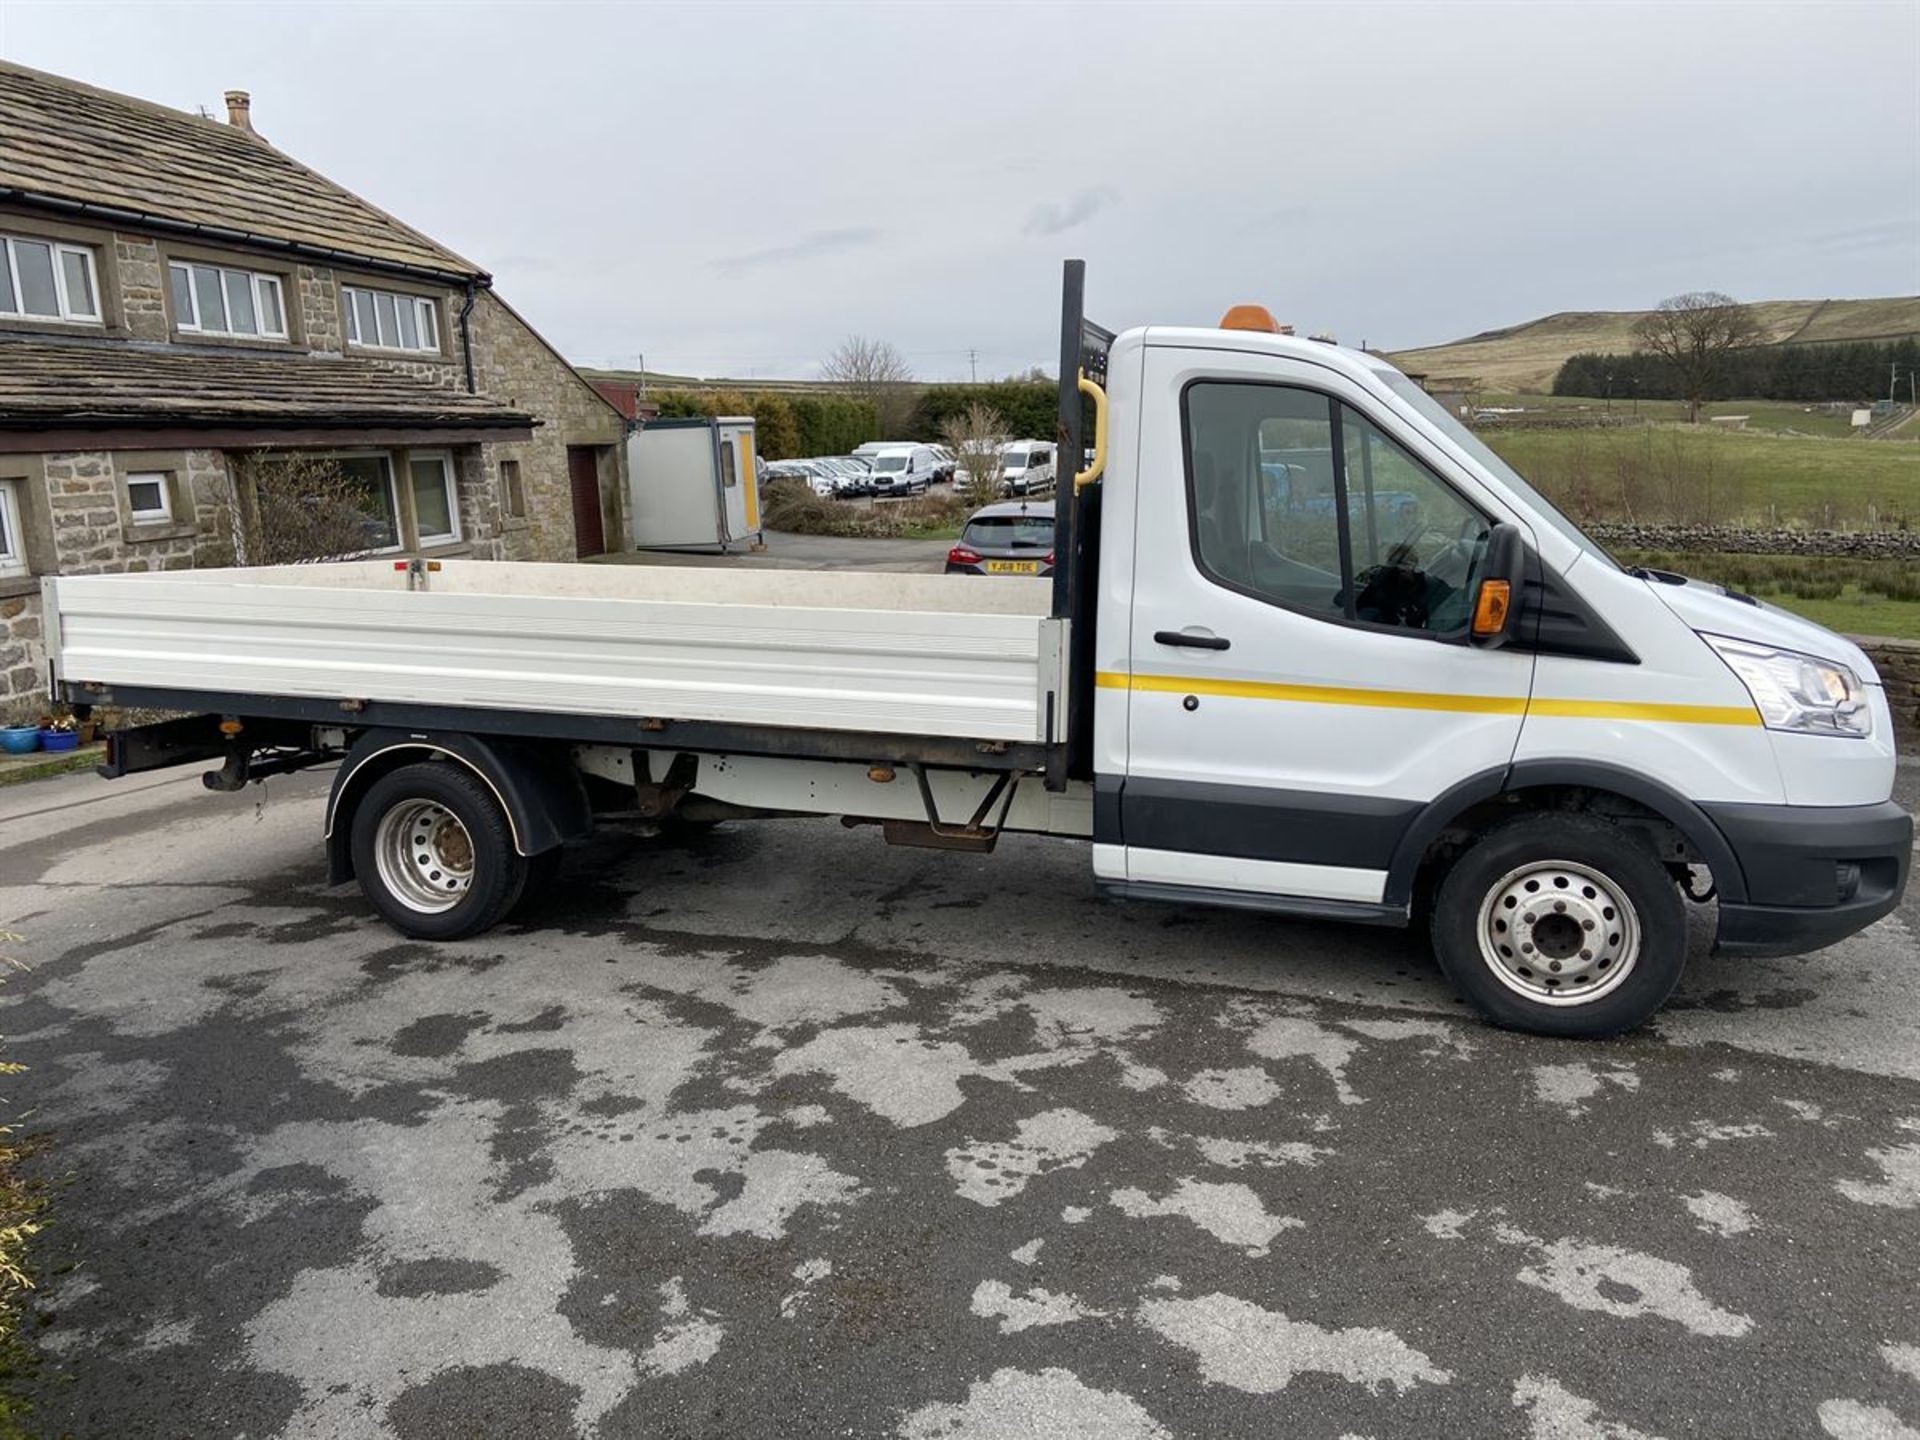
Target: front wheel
(434, 852)
(1561, 925)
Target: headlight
(1796, 692)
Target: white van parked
(1308, 646)
(904, 470)
(1026, 466)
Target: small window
(513, 496)
(1301, 501)
(13, 545)
(149, 498)
(43, 280)
(383, 320)
(436, 516)
(212, 300)
(727, 478)
(372, 476)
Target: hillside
(1526, 357)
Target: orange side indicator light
(1490, 609)
(1253, 317)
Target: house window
(47, 281)
(149, 497)
(436, 515)
(213, 300)
(380, 319)
(513, 495)
(372, 476)
(13, 545)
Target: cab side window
(1299, 500)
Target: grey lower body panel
(1814, 874)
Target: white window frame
(426, 321)
(258, 281)
(68, 315)
(422, 540)
(13, 544)
(162, 516)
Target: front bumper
(1813, 874)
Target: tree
(873, 371)
(307, 508)
(975, 436)
(1695, 333)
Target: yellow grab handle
(1086, 477)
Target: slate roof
(65, 141)
(64, 383)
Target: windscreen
(890, 463)
(1014, 460)
(1479, 449)
(1010, 532)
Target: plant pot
(20, 739)
(58, 740)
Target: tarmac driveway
(783, 1133)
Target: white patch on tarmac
(1556, 1413)
(1076, 1215)
(1718, 1214)
(1570, 1086)
(1064, 1019)
(779, 1182)
(1231, 1213)
(1706, 1133)
(809, 1273)
(1447, 1224)
(1900, 1187)
(1441, 1037)
(1804, 1109)
(989, 1171)
(165, 1335)
(1027, 1253)
(1620, 1282)
(1852, 1420)
(794, 990)
(1141, 1077)
(1286, 1037)
(1240, 1089)
(686, 1340)
(902, 1076)
(1904, 1358)
(1238, 1154)
(1053, 1403)
(995, 1300)
(1259, 1351)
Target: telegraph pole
(973, 365)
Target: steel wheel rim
(1558, 933)
(425, 856)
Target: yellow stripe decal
(1428, 700)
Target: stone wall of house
(319, 302)
(143, 282)
(23, 660)
(514, 366)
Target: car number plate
(1013, 567)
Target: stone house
(180, 301)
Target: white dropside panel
(754, 652)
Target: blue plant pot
(20, 739)
(57, 740)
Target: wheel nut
(1586, 954)
(1559, 907)
(1586, 924)
(1531, 918)
(1526, 949)
(1555, 967)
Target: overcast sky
(732, 188)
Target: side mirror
(1496, 600)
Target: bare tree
(872, 370)
(976, 436)
(307, 508)
(1695, 333)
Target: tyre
(1561, 925)
(434, 853)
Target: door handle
(1193, 639)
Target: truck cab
(1401, 682)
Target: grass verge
(85, 758)
(1855, 597)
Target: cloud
(808, 247)
(1051, 219)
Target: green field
(1857, 614)
(1698, 475)
(1853, 596)
(1528, 356)
(1782, 417)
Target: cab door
(739, 481)
(1299, 683)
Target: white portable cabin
(693, 484)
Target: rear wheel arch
(543, 797)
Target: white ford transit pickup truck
(1308, 646)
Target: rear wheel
(434, 852)
(1561, 925)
